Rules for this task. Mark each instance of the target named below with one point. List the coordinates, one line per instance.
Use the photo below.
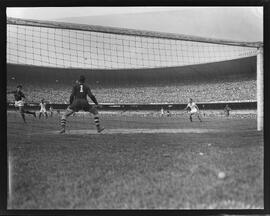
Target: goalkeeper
(78, 101)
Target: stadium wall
(239, 69)
(241, 105)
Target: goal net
(75, 46)
(52, 44)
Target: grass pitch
(159, 169)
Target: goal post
(260, 104)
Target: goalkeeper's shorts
(82, 104)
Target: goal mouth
(50, 44)
(133, 131)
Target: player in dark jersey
(19, 102)
(227, 110)
(78, 101)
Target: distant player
(193, 109)
(42, 109)
(227, 110)
(78, 101)
(51, 111)
(20, 101)
(203, 107)
(162, 112)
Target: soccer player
(20, 101)
(51, 110)
(78, 101)
(162, 111)
(227, 110)
(42, 109)
(193, 110)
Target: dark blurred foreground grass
(135, 171)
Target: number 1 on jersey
(81, 88)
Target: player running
(193, 110)
(42, 109)
(78, 101)
(20, 101)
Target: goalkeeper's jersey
(80, 91)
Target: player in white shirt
(43, 109)
(193, 109)
(162, 111)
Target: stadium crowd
(200, 92)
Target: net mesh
(69, 48)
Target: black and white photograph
(135, 107)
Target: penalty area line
(134, 131)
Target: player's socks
(39, 115)
(63, 122)
(99, 129)
(190, 118)
(63, 125)
(96, 119)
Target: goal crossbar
(125, 31)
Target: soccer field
(139, 162)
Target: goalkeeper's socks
(96, 119)
(63, 123)
(63, 126)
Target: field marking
(135, 131)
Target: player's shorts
(19, 103)
(82, 104)
(193, 111)
(42, 110)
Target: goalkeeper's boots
(100, 129)
(63, 130)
